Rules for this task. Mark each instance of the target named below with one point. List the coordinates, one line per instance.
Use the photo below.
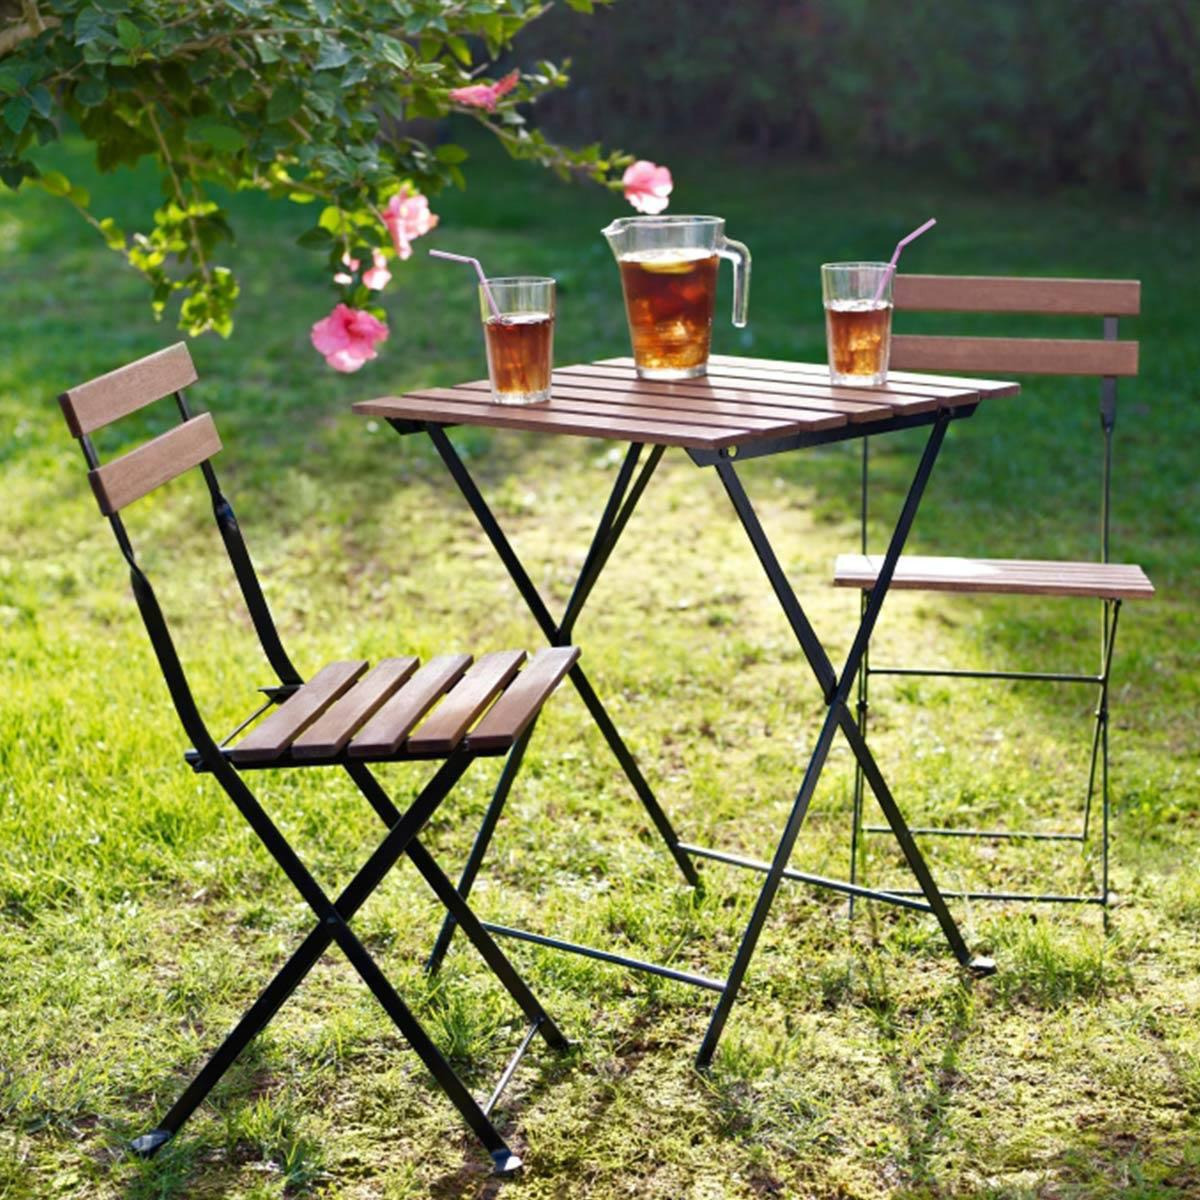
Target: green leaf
(285, 102)
(460, 49)
(331, 218)
(42, 100)
(268, 50)
(91, 93)
(208, 131)
(56, 183)
(13, 174)
(332, 54)
(316, 238)
(89, 25)
(393, 51)
(113, 237)
(128, 34)
(583, 6)
(16, 112)
(80, 196)
(10, 80)
(451, 153)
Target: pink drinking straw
(466, 258)
(891, 267)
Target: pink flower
(647, 186)
(378, 276)
(348, 337)
(343, 277)
(485, 95)
(407, 216)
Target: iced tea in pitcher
(669, 276)
(669, 297)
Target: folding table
(744, 408)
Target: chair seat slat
(330, 732)
(998, 576)
(521, 702)
(470, 696)
(384, 732)
(268, 740)
(158, 461)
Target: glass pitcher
(669, 276)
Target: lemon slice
(658, 267)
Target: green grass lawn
(140, 917)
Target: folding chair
(451, 711)
(1103, 580)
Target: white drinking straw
(891, 267)
(466, 258)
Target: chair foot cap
(981, 967)
(505, 1162)
(149, 1144)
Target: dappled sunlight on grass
(141, 918)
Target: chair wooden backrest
(1107, 358)
(100, 402)
(1106, 298)
(192, 443)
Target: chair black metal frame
(153, 379)
(1047, 296)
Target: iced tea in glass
(520, 340)
(669, 276)
(858, 321)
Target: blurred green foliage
(1045, 91)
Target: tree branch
(26, 30)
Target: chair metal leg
(333, 926)
(455, 903)
(512, 767)
(861, 711)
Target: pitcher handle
(739, 256)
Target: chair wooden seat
(401, 710)
(1011, 576)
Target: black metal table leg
(837, 690)
(621, 504)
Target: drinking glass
(858, 321)
(520, 341)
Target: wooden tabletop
(740, 400)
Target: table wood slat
(727, 410)
(547, 418)
(858, 404)
(924, 397)
(986, 387)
